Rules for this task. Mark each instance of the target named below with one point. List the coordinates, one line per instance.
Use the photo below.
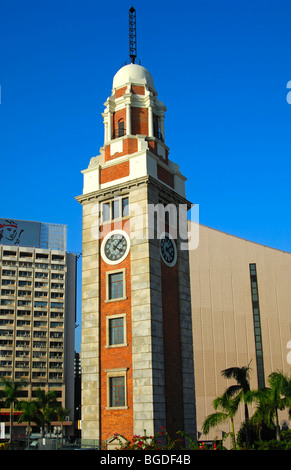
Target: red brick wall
(139, 121)
(172, 349)
(120, 421)
(120, 92)
(153, 148)
(121, 114)
(165, 176)
(129, 146)
(114, 172)
(138, 90)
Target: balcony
(39, 345)
(39, 375)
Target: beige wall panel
(222, 313)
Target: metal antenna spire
(132, 34)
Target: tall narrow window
(106, 211)
(125, 207)
(116, 331)
(116, 388)
(116, 335)
(121, 128)
(257, 325)
(115, 209)
(116, 285)
(117, 392)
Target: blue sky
(220, 67)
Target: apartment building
(37, 317)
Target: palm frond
(213, 420)
(240, 374)
(232, 390)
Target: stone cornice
(119, 189)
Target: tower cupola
(134, 132)
(133, 73)
(133, 109)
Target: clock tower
(137, 353)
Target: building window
(41, 256)
(117, 392)
(125, 206)
(116, 389)
(115, 285)
(121, 128)
(116, 330)
(257, 325)
(58, 258)
(106, 211)
(9, 253)
(115, 209)
(115, 205)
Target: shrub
(273, 445)
(286, 436)
(160, 441)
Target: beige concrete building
(37, 315)
(241, 314)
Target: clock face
(168, 251)
(115, 247)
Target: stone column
(127, 97)
(105, 122)
(109, 131)
(151, 128)
(147, 335)
(90, 325)
(128, 119)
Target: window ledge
(115, 300)
(116, 408)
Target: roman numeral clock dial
(168, 250)
(115, 247)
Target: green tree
(242, 376)
(272, 399)
(62, 413)
(228, 407)
(261, 416)
(242, 388)
(10, 393)
(28, 415)
(46, 408)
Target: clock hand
(116, 246)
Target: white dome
(133, 73)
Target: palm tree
(29, 409)
(11, 394)
(274, 398)
(46, 408)
(260, 417)
(62, 413)
(241, 389)
(242, 376)
(229, 407)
